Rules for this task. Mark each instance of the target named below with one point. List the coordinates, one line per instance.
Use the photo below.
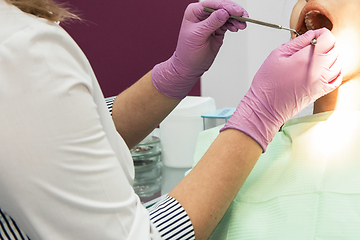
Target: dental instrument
(266, 24)
(246, 19)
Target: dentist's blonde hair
(47, 9)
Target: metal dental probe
(246, 19)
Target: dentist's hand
(293, 76)
(201, 36)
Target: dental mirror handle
(246, 19)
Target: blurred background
(123, 40)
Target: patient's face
(342, 17)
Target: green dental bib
(305, 186)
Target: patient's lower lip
(300, 32)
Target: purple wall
(123, 40)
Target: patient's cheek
(296, 13)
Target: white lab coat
(65, 172)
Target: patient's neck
(346, 97)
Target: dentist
(66, 169)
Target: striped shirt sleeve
(171, 220)
(9, 229)
(109, 103)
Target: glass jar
(148, 168)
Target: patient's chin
(349, 75)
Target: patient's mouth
(313, 20)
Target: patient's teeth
(309, 19)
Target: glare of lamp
(348, 42)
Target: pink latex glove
(293, 76)
(201, 36)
